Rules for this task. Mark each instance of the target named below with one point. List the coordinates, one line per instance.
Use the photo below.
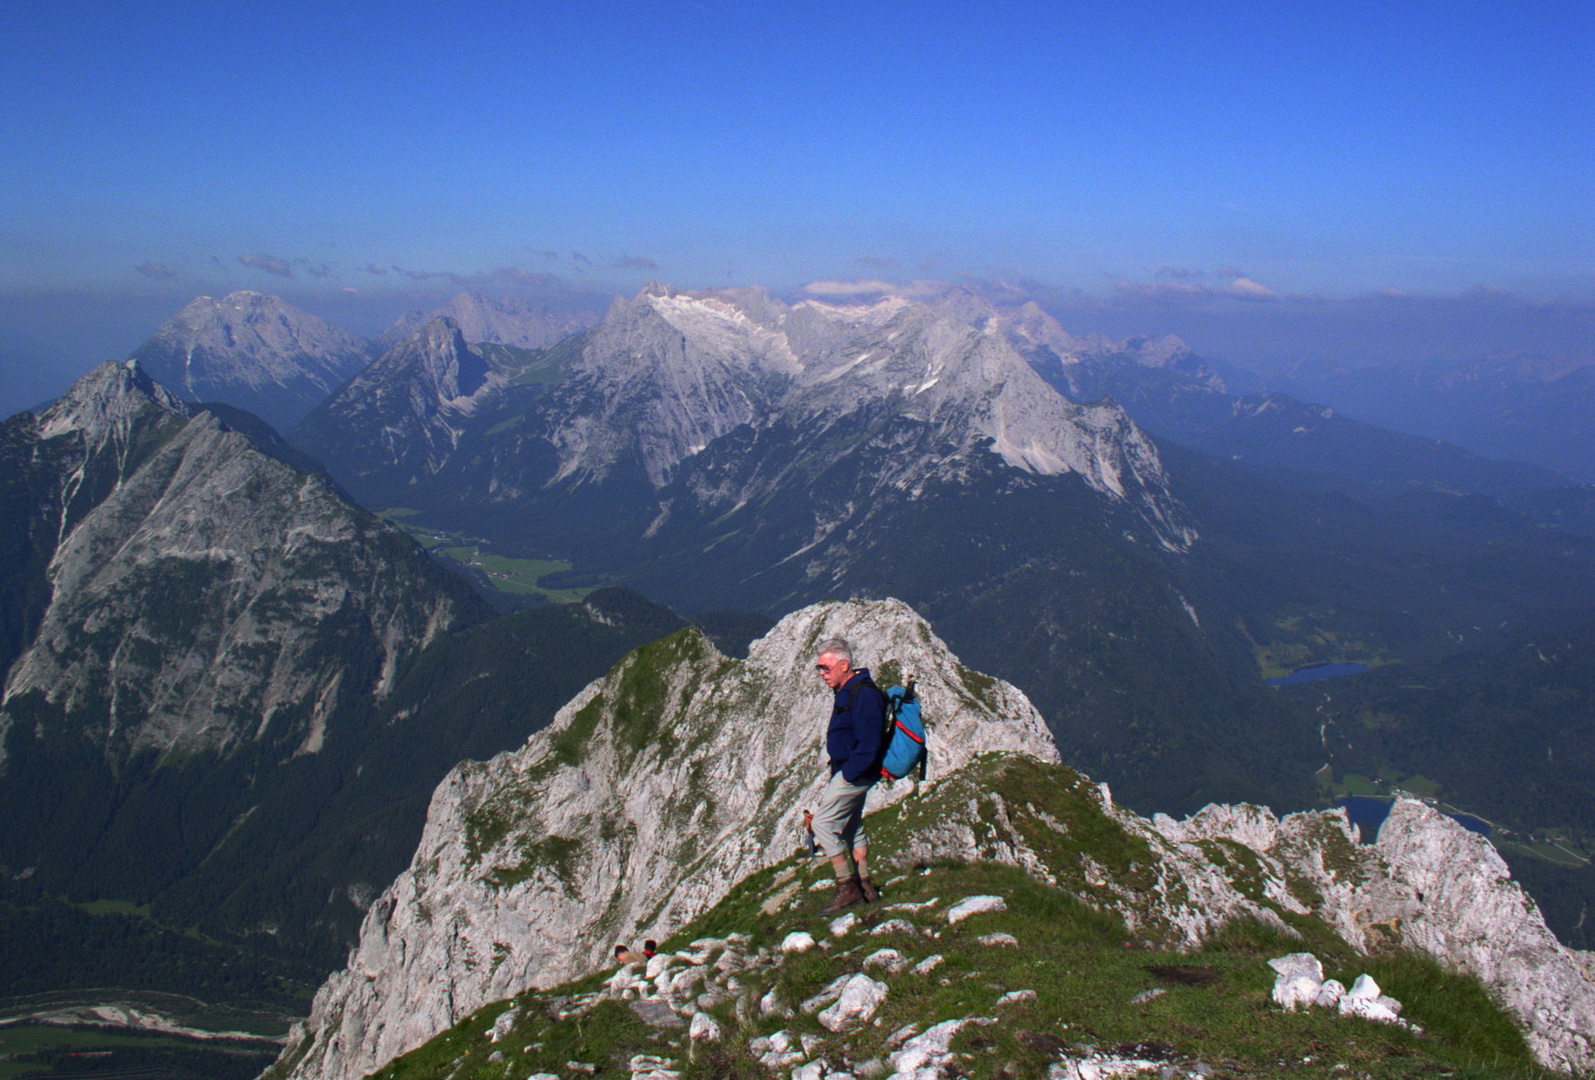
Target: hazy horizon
(1339, 185)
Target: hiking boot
(848, 893)
(867, 888)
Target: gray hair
(837, 647)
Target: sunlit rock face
(1429, 885)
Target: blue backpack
(905, 734)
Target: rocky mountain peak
(107, 402)
(173, 536)
(254, 351)
(505, 320)
(441, 360)
(665, 374)
(969, 384)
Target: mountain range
(727, 450)
(1526, 408)
(230, 690)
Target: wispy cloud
(315, 270)
(155, 271)
(512, 276)
(635, 262)
(1245, 288)
(423, 275)
(1177, 283)
(373, 268)
(877, 262)
(579, 257)
(267, 263)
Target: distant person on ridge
(853, 744)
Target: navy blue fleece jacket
(857, 725)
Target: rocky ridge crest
(609, 827)
(652, 793)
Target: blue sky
(1330, 150)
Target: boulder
(860, 997)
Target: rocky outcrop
(654, 791)
(252, 351)
(1429, 885)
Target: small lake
(1314, 672)
(1368, 812)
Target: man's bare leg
(866, 886)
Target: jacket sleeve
(869, 717)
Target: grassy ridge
(1082, 965)
(1087, 972)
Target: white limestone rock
(975, 905)
(830, 993)
(704, 1028)
(928, 1050)
(861, 996)
(894, 926)
(1299, 979)
(502, 1025)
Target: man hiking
(853, 745)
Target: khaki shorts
(839, 820)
